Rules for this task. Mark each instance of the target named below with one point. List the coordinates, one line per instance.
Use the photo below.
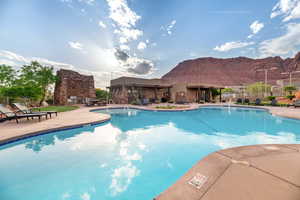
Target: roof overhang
(141, 86)
(204, 86)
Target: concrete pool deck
(10, 130)
(258, 172)
(242, 173)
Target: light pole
(109, 88)
(266, 77)
(290, 75)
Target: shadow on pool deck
(258, 172)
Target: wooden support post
(199, 95)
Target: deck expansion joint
(209, 187)
(277, 177)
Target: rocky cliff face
(232, 71)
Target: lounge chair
(145, 102)
(10, 115)
(297, 103)
(274, 102)
(257, 101)
(25, 110)
(247, 101)
(239, 100)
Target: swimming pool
(135, 156)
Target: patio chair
(25, 110)
(10, 115)
(239, 100)
(297, 103)
(145, 102)
(102, 103)
(246, 101)
(274, 102)
(257, 101)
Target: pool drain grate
(198, 181)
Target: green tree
(290, 89)
(36, 77)
(258, 89)
(227, 90)
(7, 79)
(7, 75)
(215, 92)
(101, 94)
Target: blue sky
(143, 38)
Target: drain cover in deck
(198, 180)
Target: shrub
(258, 89)
(50, 101)
(270, 98)
(290, 97)
(101, 94)
(227, 90)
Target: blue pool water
(135, 156)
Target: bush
(50, 101)
(290, 97)
(239, 100)
(270, 98)
(258, 89)
(290, 88)
(101, 94)
(227, 90)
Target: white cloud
(232, 45)
(283, 45)
(122, 177)
(256, 26)
(10, 58)
(107, 63)
(89, 2)
(192, 54)
(124, 47)
(83, 11)
(76, 45)
(121, 14)
(85, 196)
(142, 146)
(66, 196)
(125, 19)
(169, 27)
(134, 65)
(288, 9)
(154, 44)
(102, 24)
(139, 66)
(13, 56)
(129, 34)
(142, 46)
(125, 156)
(123, 40)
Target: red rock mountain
(232, 71)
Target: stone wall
(71, 83)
